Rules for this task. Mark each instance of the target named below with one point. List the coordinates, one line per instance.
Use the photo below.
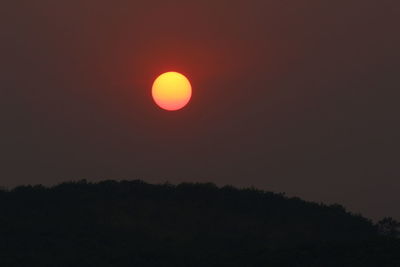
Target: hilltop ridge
(133, 223)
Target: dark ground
(132, 223)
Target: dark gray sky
(291, 96)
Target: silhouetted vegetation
(389, 227)
(132, 223)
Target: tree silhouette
(132, 223)
(389, 227)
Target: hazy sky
(292, 96)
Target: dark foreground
(138, 224)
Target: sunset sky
(299, 97)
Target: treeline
(132, 223)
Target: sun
(171, 91)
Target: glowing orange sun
(171, 91)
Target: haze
(299, 97)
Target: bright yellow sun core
(171, 91)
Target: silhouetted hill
(132, 223)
